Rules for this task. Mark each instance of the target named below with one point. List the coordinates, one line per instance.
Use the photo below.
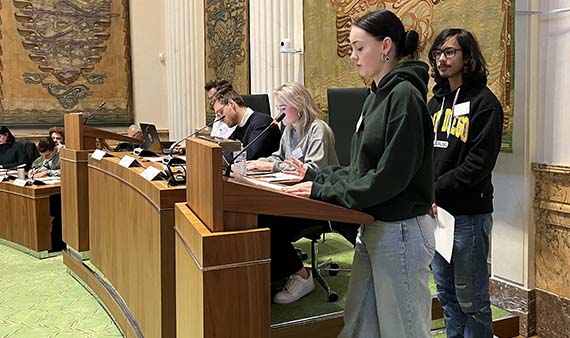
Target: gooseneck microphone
(196, 132)
(89, 115)
(273, 123)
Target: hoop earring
(386, 58)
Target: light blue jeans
(463, 285)
(388, 294)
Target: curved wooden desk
(131, 230)
(26, 219)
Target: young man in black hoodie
(468, 120)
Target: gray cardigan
(317, 147)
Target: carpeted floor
(39, 299)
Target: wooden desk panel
(75, 199)
(26, 216)
(131, 225)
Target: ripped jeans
(463, 285)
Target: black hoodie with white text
(467, 141)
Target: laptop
(151, 140)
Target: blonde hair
(296, 95)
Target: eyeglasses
(218, 112)
(448, 52)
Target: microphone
(195, 132)
(273, 123)
(89, 115)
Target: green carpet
(39, 299)
(316, 303)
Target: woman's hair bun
(410, 43)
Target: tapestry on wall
(227, 43)
(327, 28)
(59, 57)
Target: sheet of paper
(49, 180)
(444, 234)
(260, 183)
(279, 177)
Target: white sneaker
(295, 288)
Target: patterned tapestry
(227, 42)
(61, 56)
(327, 28)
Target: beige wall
(148, 42)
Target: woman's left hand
(301, 189)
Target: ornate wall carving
(64, 56)
(327, 26)
(227, 42)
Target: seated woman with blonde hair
(305, 137)
(309, 140)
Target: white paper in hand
(444, 233)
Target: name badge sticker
(461, 109)
(297, 152)
(440, 144)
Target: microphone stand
(101, 105)
(167, 161)
(195, 132)
(274, 122)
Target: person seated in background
(12, 153)
(306, 136)
(57, 134)
(249, 124)
(50, 166)
(133, 131)
(219, 129)
(101, 144)
(311, 141)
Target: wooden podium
(80, 141)
(222, 256)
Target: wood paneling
(204, 184)
(75, 199)
(26, 216)
(222, 280)
(131, 224)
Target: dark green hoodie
(390, 171)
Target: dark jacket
(390, 171)
(265, 145)
(465, 157)
(12, 154)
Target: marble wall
(552, 219)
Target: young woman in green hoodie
(389, 177)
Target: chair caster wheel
(333, 272)
(333, 297)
